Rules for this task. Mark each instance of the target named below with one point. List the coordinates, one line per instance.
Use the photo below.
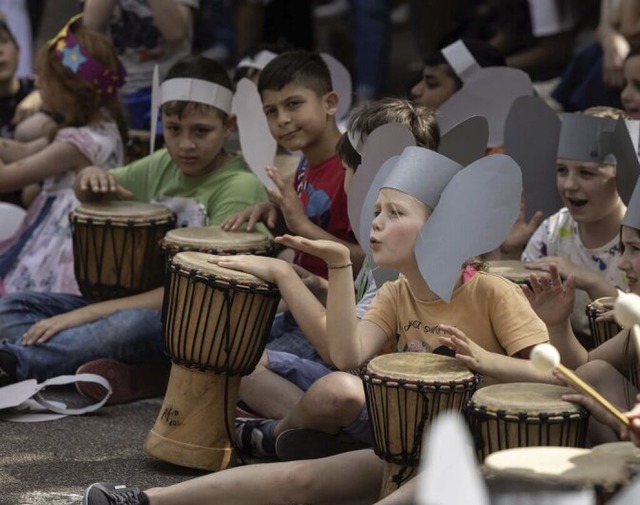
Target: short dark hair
(196, 67)
(301, 67)
(484, 53)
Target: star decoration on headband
(72, 58)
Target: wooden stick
(584, 388)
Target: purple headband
(74, 57)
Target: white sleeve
(549, 17)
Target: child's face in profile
(435, 88)
(630, 95)
(629, 262)
(587, 189)
(195, 139)
(398, 219)
(297, 116)
(9, 54)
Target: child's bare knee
(595, 372)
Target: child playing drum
(604, 366)
(416, 225)
(44, 335)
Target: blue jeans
(130, 336)
(286, 336)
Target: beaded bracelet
(339, 266)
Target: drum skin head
(124, 211)
(419, 366)
(193, 260)
(529, 397)
(557, 464)
(214, 237)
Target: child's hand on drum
(266, 268)
(99, 181)
(467, 351)
(331, 251)
(259, 212)
(550, 298)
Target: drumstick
(626, 310)
(546, 357)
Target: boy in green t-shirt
(55, 333)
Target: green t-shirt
(198, 201)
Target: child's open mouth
(577, 203)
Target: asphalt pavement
(52, 462)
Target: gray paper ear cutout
(466, 142)
(531, 136)
(601, 140)
(632, 216)
(256, 142)
(341, 84)
(490, 189)
(385, 141)
(487, 92)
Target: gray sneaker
(106, 493)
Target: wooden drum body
(601, 331)
(115, 247)
(404, 392)
(215, 326)
(504, 416)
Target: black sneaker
(105, 493)
(296, 444)
(254, 437)
(8, 367)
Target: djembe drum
(215, 240)
(504, 416)
(514, 270)
(532, 475)
(601, 331)
(216, 322)
(404, 393)
(115, 247)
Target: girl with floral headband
(78, 74)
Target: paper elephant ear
(620, 143)
(384, 142)
(487, 92)
(449, 470)
(341, 83)
(531, 136)
(474, 215)
(466, 142)
(632, 216)
(256, 142)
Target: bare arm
(499, 367)
(350, 342)
(93, 183)
(172, 19)
(97, 13)
(56, 158)
(47, 328)
(308, 312)
(14, 150)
